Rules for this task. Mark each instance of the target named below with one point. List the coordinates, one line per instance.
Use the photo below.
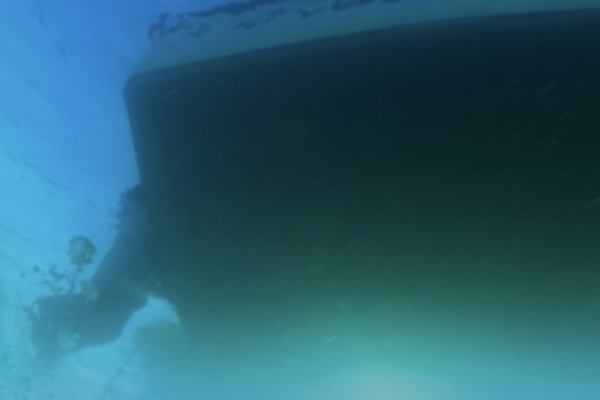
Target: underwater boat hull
(402, 198)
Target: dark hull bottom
(334, 214)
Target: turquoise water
(501, 296)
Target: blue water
(66, 156)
